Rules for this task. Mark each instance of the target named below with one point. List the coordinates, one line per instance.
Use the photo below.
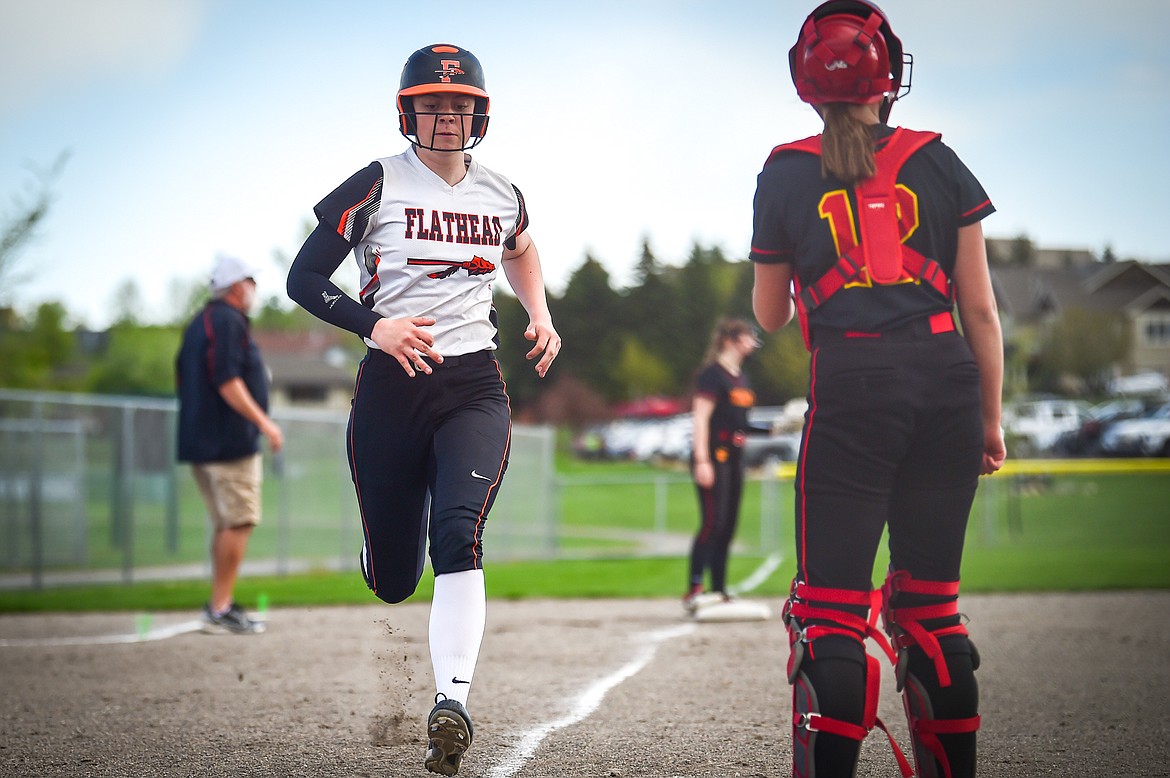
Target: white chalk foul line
(586, 702)
(759, 575)
(159, 633)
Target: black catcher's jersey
(809, 221)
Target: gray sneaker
(449, 732)
(235, 621)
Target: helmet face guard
(442, 68)
(847, 53)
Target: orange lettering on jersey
(741, 397)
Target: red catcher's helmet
(442, 67)
(847, 53)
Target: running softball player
(429, 428)
(876, 230)
(719, 413)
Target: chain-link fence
(90, 491)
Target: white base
(736, 610)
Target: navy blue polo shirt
(217, 347)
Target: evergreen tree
(1022, 253)
(650, 308)
(587, 317)
(702, 291)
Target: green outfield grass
(1035, 533)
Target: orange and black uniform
(893, 433)
(719, 504)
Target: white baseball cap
(228, 270)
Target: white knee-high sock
(458, 613)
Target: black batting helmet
(442, 67)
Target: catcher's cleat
(450, 733)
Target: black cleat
(450, 733)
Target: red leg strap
(928, 731)
(799, 608)
(815, 722)
(909, 620)
(903, 762)
(843, 623)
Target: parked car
(1033, 427)
(1086, 439)
(770, 449)
(1146, 436)
(783, 444)
(676, 437)
(1149, 382)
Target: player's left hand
(548, 344)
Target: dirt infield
(1072, 685)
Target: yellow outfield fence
(1079, 466)
(787, 470)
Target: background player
(429, 228)
(223, 409)
(719, 414)
(904, 413)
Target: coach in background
(223, 404)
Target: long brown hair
(846, 145)
(725, 330)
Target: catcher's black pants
(444, 435)
(893, 438)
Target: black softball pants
(718, 516)
(443, 436)
(893, 438)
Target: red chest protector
(880, 257)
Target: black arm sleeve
(309, 286)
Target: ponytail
(846, 145)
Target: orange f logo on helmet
(450, 68)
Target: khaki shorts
(231, 491)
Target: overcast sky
(203, 126)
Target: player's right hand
(407, 342)
(994, 450)
(274, 434)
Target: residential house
(313, 369)
(1033, 295)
